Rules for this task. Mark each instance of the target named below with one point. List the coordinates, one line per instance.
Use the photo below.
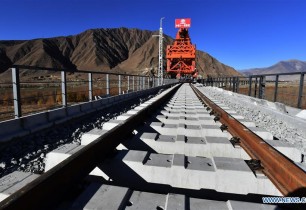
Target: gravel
(280, 129)
(27, 154)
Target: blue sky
(240, 33)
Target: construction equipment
(182, 53)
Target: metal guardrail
(287, 88)
(20, 97)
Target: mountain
(115, 50)
(280, 67)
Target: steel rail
(49, 189)
(286, 176)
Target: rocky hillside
(116, 50)
(280, 67)
(288, 66)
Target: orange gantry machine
(182, 53)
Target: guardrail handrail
(69, 70)
(259, 80)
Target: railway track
(179, 150)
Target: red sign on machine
(182, 23)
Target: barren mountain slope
(280, 67)
(118, 49)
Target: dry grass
(288, 93)
(40, 97)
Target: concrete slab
(11, 129)
(186, 120)
(58, 155)
(233, 174)
(13, 182)
(199, 204)
(161, 128)
(230, 175)
(247, 123)
(214, 130)
(135, 156)
(221, 147)
(102, 196)
(263, 133)
(96, 104)
(182, 114)
(91, 136)
(97, 196)
(301, 114)
(36, 122)
(144, 200)
(237, 117)
(138, 108)
(191, 146)
(57, 115)
(286, 149)
(132, 112)
(189, 130)
(176, 201)
(159, 160)
(87, 107)
(74, 111)
(111, 124)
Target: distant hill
(115, 50)
(280, 67)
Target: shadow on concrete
(122, 175)
(135, 143)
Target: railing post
(143, 83)
(234, 84)
(107, 84)
(16, 92)
(301, 91)
(128, 84)
(262, 84)
(64, 88)
(237, 84)
(255, 89)
(90, 86)
(119, 84)
(133, 83)
(230, 83)
(222, 82)
(148, 82)
(140, 83)
(250, 85)
(276, 88)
